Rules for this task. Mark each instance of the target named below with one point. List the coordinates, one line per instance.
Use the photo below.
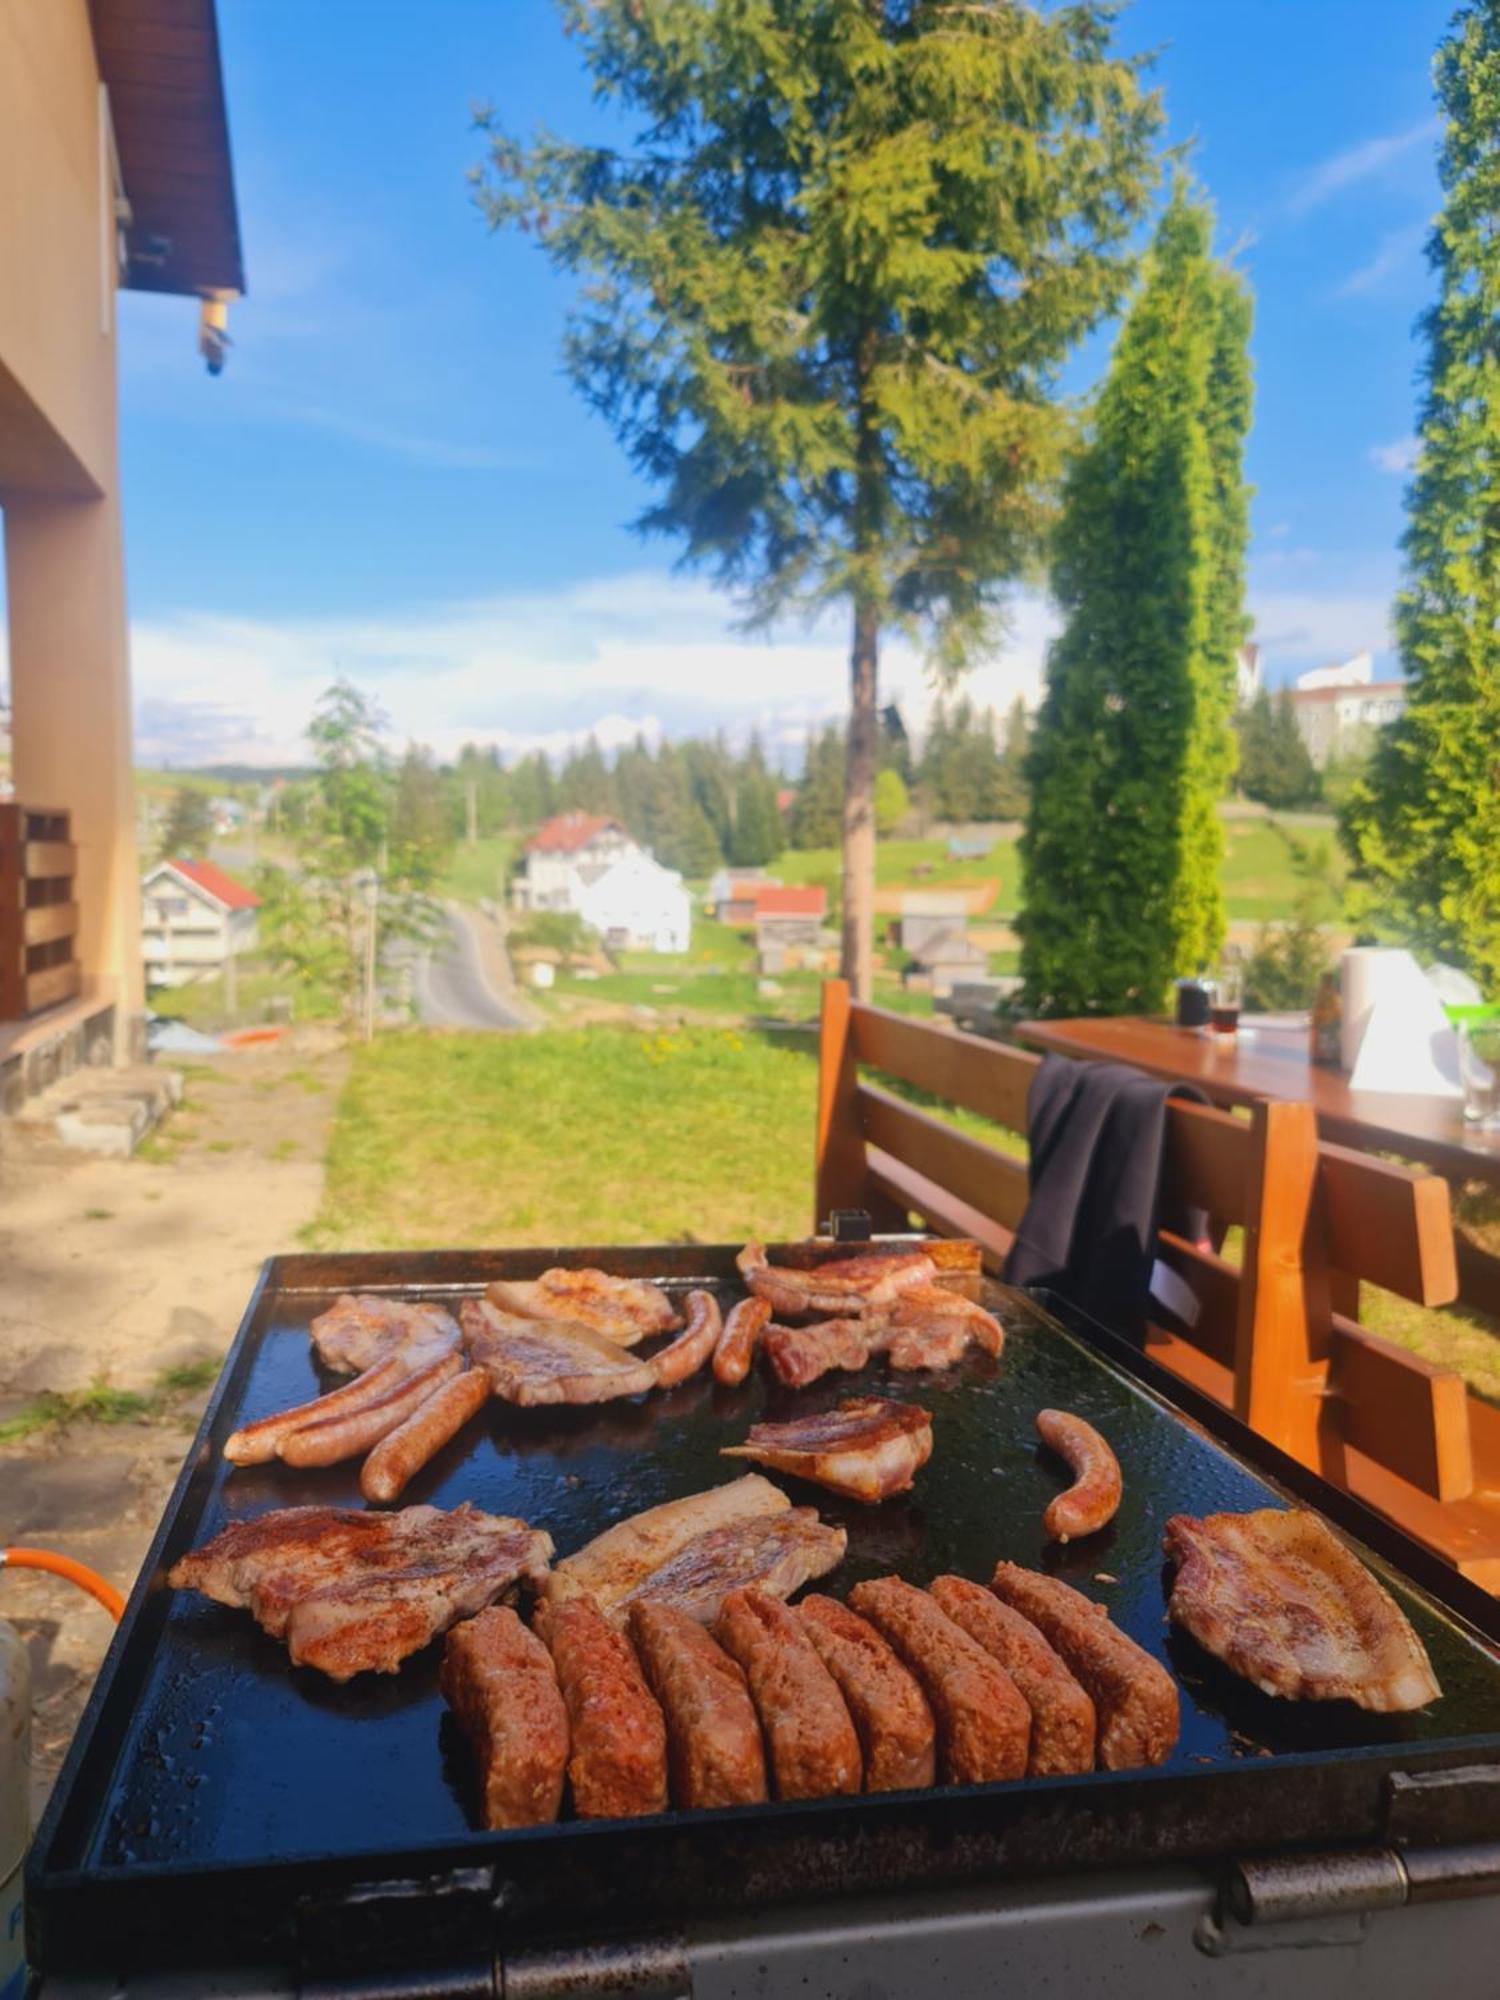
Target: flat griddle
(220, 1806)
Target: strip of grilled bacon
(1277, 1596)
(867, 1448)
(841, 1285)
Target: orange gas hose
(75, 1572)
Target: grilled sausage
(890, 1711)
(983, 1725)
(739, 1340)
(402, 1453)
(1093, 1500)
(329, 1439)
(715, 1755)
(499, 1680)
(811, 1746)
(257, 1443)
(1134, 1697)
(693, 1345)
(617, 1760)
(1062, 1716)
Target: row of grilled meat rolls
(898, 1688)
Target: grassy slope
(477, 873)
(1257, 875)
(598, 1135)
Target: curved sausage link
(333, 1438)
(693, 1345)
(402, 1453)
(1093, 1499)
(741, 1336)
(257, 1443)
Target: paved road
(451, 989)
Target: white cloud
(610, 656)
(1400, 455)
(1310, 628)
(1396, 253)
(1357, 163)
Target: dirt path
(121, 1272)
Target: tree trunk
(859, 804)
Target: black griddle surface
(206, 1750)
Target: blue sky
(393, 480)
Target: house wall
(59, 482)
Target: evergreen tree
(584, 783)
(188, 829)
(1423, 831)
(533, 792)
(895, 745)
(1009, 798)
(1133, 747)
(1254, 727)
(420, 830)
(892, 800)
(829, 284)
(758, 835)
(711, 774)
(817, 811)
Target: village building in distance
(1339, 709)
(194, 919)
(587, 865)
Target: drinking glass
(1479, 1067)
(1228, 993)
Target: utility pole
(471, 810)
(370, 955)
(231, 971)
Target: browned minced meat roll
(1134, 1697)
(810, 1740)
(983, 1725)
(617, 1765)
(498, 1679)
(1062, 1716)
(896, 1732)
(714, 1752)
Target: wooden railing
(1265, 1336)
(38, 913)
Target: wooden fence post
(839, 1170)
(1284, 1330)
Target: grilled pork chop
(1280, 1600)
(355, 1592)
(691, 1553)
(532, 1361)
(842, 1285)
(612, 1566)
(866, 1448)
(924, 1326)
(358, 1332)
(624, 1310)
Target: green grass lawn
(205, 1003)
(1259, 882)
(596, 1135)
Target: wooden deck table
(1268, 1058)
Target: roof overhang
(159, 61)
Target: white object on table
(1396, 1036)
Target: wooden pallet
(38, 912)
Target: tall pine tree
(831, 277)
(1134, 746)
(1423, 830)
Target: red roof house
(223, 888)
(571, 833)
(779, 899)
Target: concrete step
(106, 1111)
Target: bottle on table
(1325, 1024)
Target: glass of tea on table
(1227, 995)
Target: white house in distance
(1339, 708)
(589, 865)
(193, 918)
